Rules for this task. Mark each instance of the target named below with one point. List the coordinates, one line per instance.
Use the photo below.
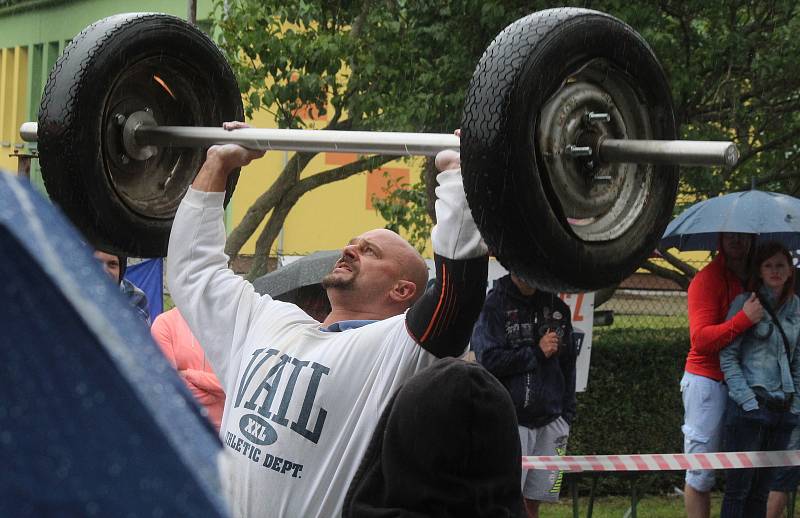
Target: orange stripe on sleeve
(438, 305)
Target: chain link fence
(646, 302)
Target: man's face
(110, 264)
(369, 263)
(735, 245)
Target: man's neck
(340, 314)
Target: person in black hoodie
(445, 446)
(524, 337)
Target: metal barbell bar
(677, 152)
(557, 170)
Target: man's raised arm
(212, 299)
(441, 321)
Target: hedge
(632, 403)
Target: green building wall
(33, 33)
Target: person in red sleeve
(704, 393)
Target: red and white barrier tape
(664, 461)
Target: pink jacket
(184, 352)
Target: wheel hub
(151, 181)
(600, 201)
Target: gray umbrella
(768, 215)
(305, 271)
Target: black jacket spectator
(506, 342)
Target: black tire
(506, 180)
(124, 205)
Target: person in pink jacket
(185, 353)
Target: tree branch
(792, 135)
(778, 176)
(666, 273)
(340, 173)
(271, 231)
(265, 203)
(673, 261)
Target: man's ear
(403, 291)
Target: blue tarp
(149, 277)
(93, 420)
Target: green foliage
(286, 55)
(400, 65)
(632, 403)
(734, 76)
(403, 208)
(733, 71)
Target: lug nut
(578, 151)
(598, 117)
(120, 119)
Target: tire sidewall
(542, 239)
(101, 53)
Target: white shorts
(550, 439)
(704, 403)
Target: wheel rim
(170, 91)
(599, 201)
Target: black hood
(446, 445)
(123, 266)
(505, 286)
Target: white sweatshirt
(301, 404)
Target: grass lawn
(674, 325)
(619, 506)
(649, 321)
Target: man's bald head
(416, 270)
(412, 265)
(378, 270)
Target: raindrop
(81, 389)
(62, 470)
(134, 440)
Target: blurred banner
(581, 305)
